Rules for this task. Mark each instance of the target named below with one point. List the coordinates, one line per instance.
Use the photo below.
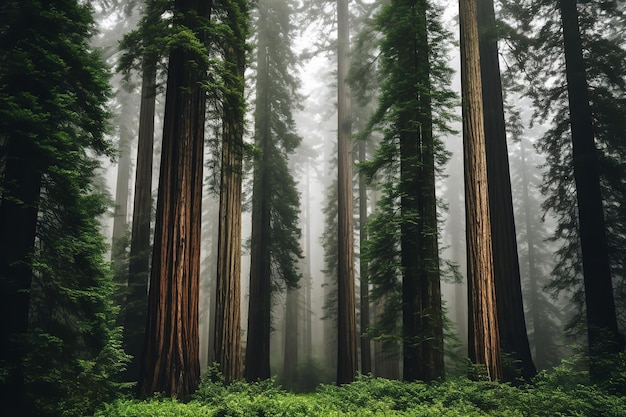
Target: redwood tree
(275, 247)
(512, 323)
(346, 319)
(602, 330)
(171, 350)
(227, 336)
(483, 337)
(139, 258)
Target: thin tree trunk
(432, 365)
(171, 361)
(484, 339)
(308, 312)
(227, 350)
(120, 212)
(512, 323)
(212, 294)
(456, 227)
(346, 320)
(533, 272)
(139, 259)
(260, 303)
(290, 364)
(602, 327)
(366, 351)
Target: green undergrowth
(563, 391)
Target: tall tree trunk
(120, 212)
(212, 294)
(346, 320)
(512, 323)
(431, 317)
(308, 308)
(227, 350)
(533, 271)
(422, 322)
(20, 184)
(329, 325)
(602, 327)
(484, 338)
(171, 361)
(366, 351)
(139, 258)
(290, 364)
(260, 303)
(455, 229)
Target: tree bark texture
(228, 349)
(139, 258)
(171, 362)
(602, 327)
(346, 320)
(484, 339)
(512, 323)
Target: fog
(316, 123)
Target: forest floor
(563, 391)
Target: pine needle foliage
(534, 36)
(53, 95)
(409, 101)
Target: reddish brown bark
(346, 319)
(484, 340)
(512, 323)
(171, 362)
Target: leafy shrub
(563, 391)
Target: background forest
(301, 208)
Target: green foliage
(53, 96)
(561, 392)
(276, 138)
(533, 31)
(414, 112)
(74, 350)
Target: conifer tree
(275, 246)
(513, 336)
(403, 251)
(170, 362)
(586, 80)
(58, 346)
(483, 333)
(144, 50)
(346, 319)
(227, 337)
